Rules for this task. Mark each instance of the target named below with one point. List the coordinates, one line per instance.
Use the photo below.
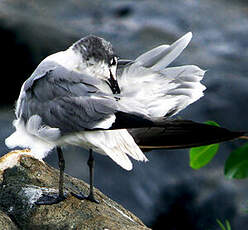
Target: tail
(176, 134)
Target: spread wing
(163, 91)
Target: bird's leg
(61, 172)
(91, 197)
(48, 199)
(91, 164)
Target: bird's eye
(113, 61)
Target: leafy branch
(236, 166)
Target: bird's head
(97, 56)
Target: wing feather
(161, 56)
(117, 144)
(158, 90)
(73, 102)
(66, 99)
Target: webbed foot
(81, 196)
(49, 199)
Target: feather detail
(176, 134)
(116, 144)
(161, 56)
(21, 137)
(163, 93)
(160, 91)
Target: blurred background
(165, 193)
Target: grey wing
(66, 100)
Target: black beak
(113, 84)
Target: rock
(23, 181)
(6, 222)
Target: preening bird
(86, 96)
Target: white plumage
(147, 88)
(158, 89)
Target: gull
(86, 96)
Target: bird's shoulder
(52, 78)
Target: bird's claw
(90, 197)
(50, 199)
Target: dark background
(165, 192)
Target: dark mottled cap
(96, 47)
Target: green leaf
(236, 165)
(221, 225)
(200, 156)
(228, 226)
(212, 123)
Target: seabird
(88, 97)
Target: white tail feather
(117, 144)
(39, 147)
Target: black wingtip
(181, 134)
(127, 121)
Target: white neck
(68, 59)
(72, 60)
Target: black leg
(61, 172)
(55, 198)
(91, 164)
(91, 197)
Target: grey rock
(6, 223)
(23, 181)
